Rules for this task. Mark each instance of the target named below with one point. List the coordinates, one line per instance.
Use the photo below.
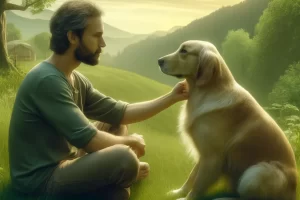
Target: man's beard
(84, 55)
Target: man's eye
(183, 51)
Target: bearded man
(52, 113)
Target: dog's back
(259, 156)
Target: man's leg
(113, 169)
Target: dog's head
(196, 60)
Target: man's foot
(144, 171)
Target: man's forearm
(137, 112)
(102, 140)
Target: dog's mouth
(178, 75)
(175, 75)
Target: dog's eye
(183, 51)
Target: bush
(288, 118)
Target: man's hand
(137, 144)
(180, 91)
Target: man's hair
(71, 16)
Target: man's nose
(102, 43)
(161, 62)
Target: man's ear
(209, 65)
(72, 37)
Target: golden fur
(231, 134)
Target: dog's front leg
(209, 171)
(187, 186)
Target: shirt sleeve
(55, 103)
(103, 108)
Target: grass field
(168, 161)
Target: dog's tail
(268, 181)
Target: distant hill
(141, 57)
(45, 14)
(122, 43)
(164, 33)
(28, 27)
(116, 39)
(116, 46)
(31, 25)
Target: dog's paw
(177, 193)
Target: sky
(147, 16)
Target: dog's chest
(203, 126)
(190, 118)
(193, 111)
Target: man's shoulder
(43, 71)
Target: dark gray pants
(107, 173)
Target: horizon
(125, 14)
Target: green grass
(164, 152)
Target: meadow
(165, 153)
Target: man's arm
(106, 109)
(141, 111)
(137, 112)
(103, 140)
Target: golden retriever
(230, 132)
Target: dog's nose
(161, 62)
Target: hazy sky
(146, 16)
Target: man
(51, 112)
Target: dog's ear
(209, 66)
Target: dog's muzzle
(161, 63)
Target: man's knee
(128, 163)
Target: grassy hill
(142, 57)
(164, 151)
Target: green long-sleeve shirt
(48, 118)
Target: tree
(12, 32)
(278, 44)
(286, 89)
(237, 50)
(36, 6)
(42, 42)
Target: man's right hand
(137, 143)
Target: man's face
(89, 47)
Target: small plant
(1, 174)
(288, 118)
